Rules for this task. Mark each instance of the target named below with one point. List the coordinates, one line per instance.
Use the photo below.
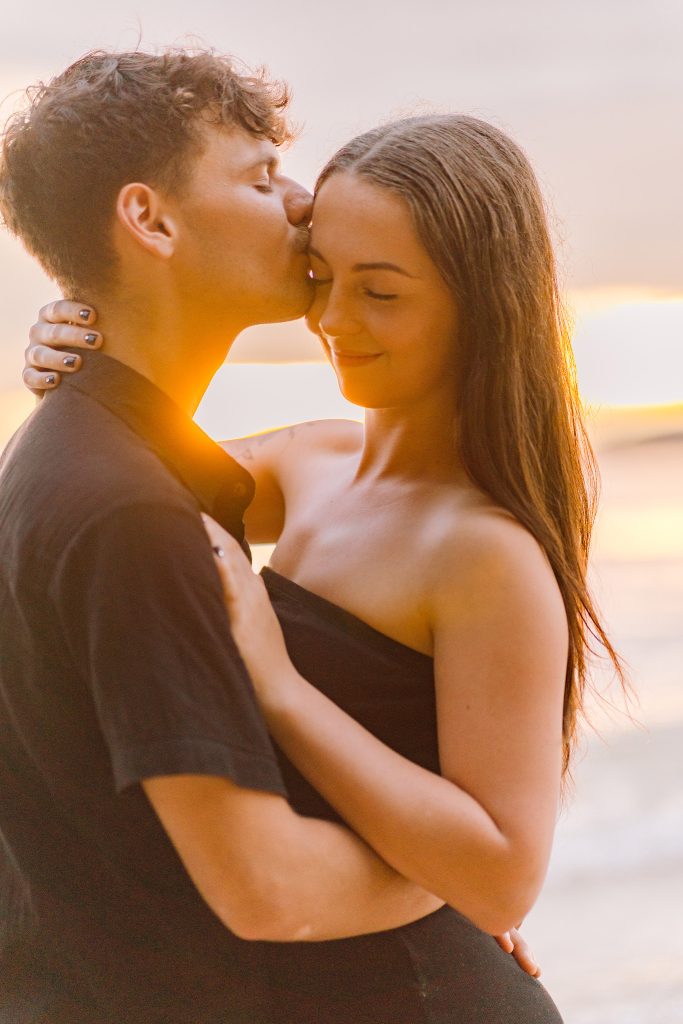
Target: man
(146, 839)
(150, 184)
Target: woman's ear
(144, 215)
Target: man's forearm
(269, 873)
(334, 886)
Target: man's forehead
(240, 151)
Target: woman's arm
(278, 461)
(479, 837)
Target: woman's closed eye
(319, 282)
(380, 296)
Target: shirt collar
(222, 487)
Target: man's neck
(178, 356)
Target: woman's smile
(347, 358)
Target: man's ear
(142, 212)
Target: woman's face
(386, 318)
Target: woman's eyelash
(380, 296)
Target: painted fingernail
(51, 379)
(90, 339)
(84, 314)
(69, 361)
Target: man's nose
(298, 204)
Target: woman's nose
(336, 319)
(298, 204)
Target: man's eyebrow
(270, 161)
(358, 267)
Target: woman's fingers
(229, 570)
(523, 954)
(219, 537)
(505, 942)
(229, 555)
(241, 586)
(45, 356)
(253, 622)
(60, 324)
(64, 311)
(63, 336)
(44, 367)
(39, 381)
(41, 357)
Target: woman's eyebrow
(358, 267)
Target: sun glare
(629, 352)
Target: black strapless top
(441, 969)
(385, 685)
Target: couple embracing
(326, 794)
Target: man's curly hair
(109, 119)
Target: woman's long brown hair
(478, 210)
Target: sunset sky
(592, 91)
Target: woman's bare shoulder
(484, 552)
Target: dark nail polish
(70, 361)
(91, 339)
(51, 379)
(84, 314)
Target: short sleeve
(141, 607)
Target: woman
(430, 572)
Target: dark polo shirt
(116, 664)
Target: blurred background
(594, 93)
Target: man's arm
(269, 873)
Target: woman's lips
(354, 358)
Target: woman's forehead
(363, 221)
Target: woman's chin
(366, 398)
